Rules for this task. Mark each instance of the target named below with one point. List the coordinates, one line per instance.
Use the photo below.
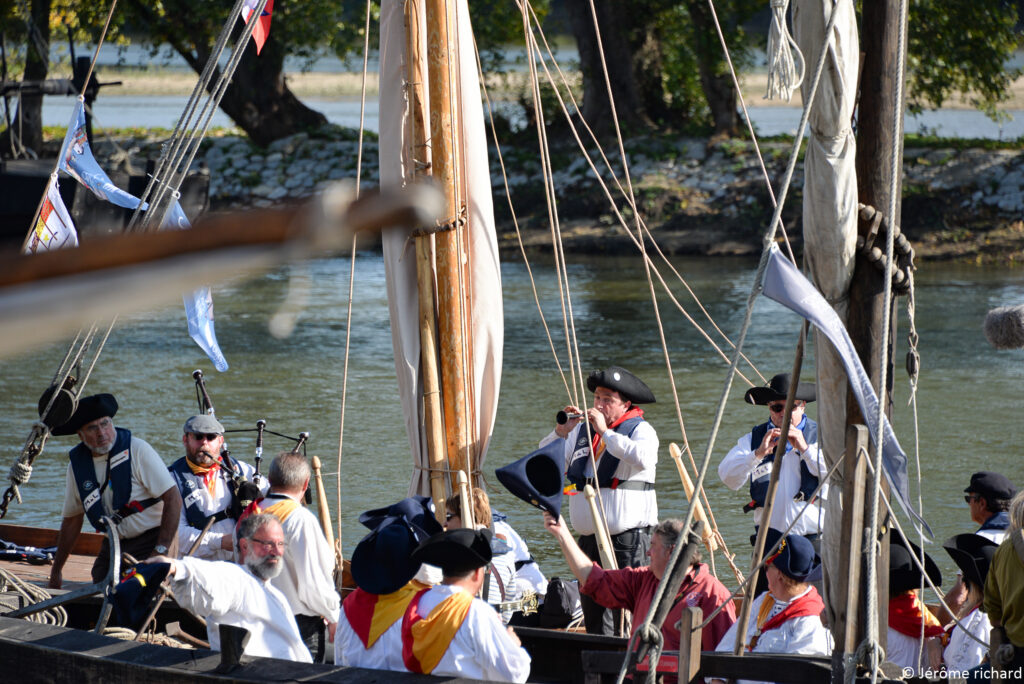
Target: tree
(26, 130)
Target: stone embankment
(958, 202)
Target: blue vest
(119, 472)
(999, 521)
(191, 491)
(759, 484)
(577, 472)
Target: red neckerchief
(634, 412)
(906, 613)
(809, 604)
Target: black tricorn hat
(538, 477)
(972, 553)
(456, 552)
(382, 561)
(777, 389)
(416, 510)
(62, 408)
(622, 381)
(904, 573)
(89, 409)
(134, 596)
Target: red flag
(262, 28)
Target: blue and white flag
(198, 304)
(76, 158)
(784, 283)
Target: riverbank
(960, 202)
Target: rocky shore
(959, 202)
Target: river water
(970, 398)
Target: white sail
(396, 168)
(830, 222)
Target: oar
(164, 590)
(708, 534)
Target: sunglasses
(208, 436)
(971, 498)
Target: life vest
(577, 472)
(191, 488)
(762, 472)
(118, 478)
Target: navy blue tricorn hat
(797, 559)
(538, 477)
(382, 562)
(417, 510)
(135, 593)
(620, 380)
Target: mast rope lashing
(903, 250)
(783, 75)
(444, 226)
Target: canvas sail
(484, 286)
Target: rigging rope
(783, 76)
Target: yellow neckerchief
(281, 508)
(208, 473)
(433, 634)
(390, 608)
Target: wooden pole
(604, 542)
(876, 112)
(847, 624)
(322, 509)
(450, 255)
(698, 510)
(420, 159)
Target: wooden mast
(876, 111)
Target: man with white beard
(242, 595)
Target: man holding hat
(448, 632)
(307, 580)
(625, 450)
(750, 462)
(369, 630)
(988, 496)
(207, 479)
(787, 617)
(111, 473)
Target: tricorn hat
(538, 477)
(89, 409)
(797, 560)
(416, 510)
(382, 561)
(904, 573)
(972, 553)
(777, 389)
(135, 593)
(622, 381)
(991, 485)
(456, 551)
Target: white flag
(54, 228)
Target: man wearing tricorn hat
(750, 462)
(625, 449)
(114, 474)
(448, 632)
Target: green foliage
(958, 47)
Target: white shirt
(307, 580)
(625, 509)
(806, 634)
(528, 576)
(903, 650)
(994, 535)
(481, 649)
(211, 503)
(150, 479)
(384, 654)
(739, 463)
(226, 593)
(962, 652)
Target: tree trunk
(27, 127)
(715, 79)
(612, 17)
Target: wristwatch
(160, 549)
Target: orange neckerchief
(370, 615)
(426, 639)
(597, 445)
(281, 508)
(906, 613)
(209, 473)
(806, 604)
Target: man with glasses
(209, 480)
(114, 474)
(242, 595)
(625, 450)
(307, 580)
(988, 496)
(750, 463)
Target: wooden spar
(450, 255)
(876, 112)
(708, 535)
(769, 499)
(604, 542)
(846, 626)
(465, 501)
(322, 509)
(421, 157)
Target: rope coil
(783, 75)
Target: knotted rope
(783, 75)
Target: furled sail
(483, 286)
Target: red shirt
(634, 589)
